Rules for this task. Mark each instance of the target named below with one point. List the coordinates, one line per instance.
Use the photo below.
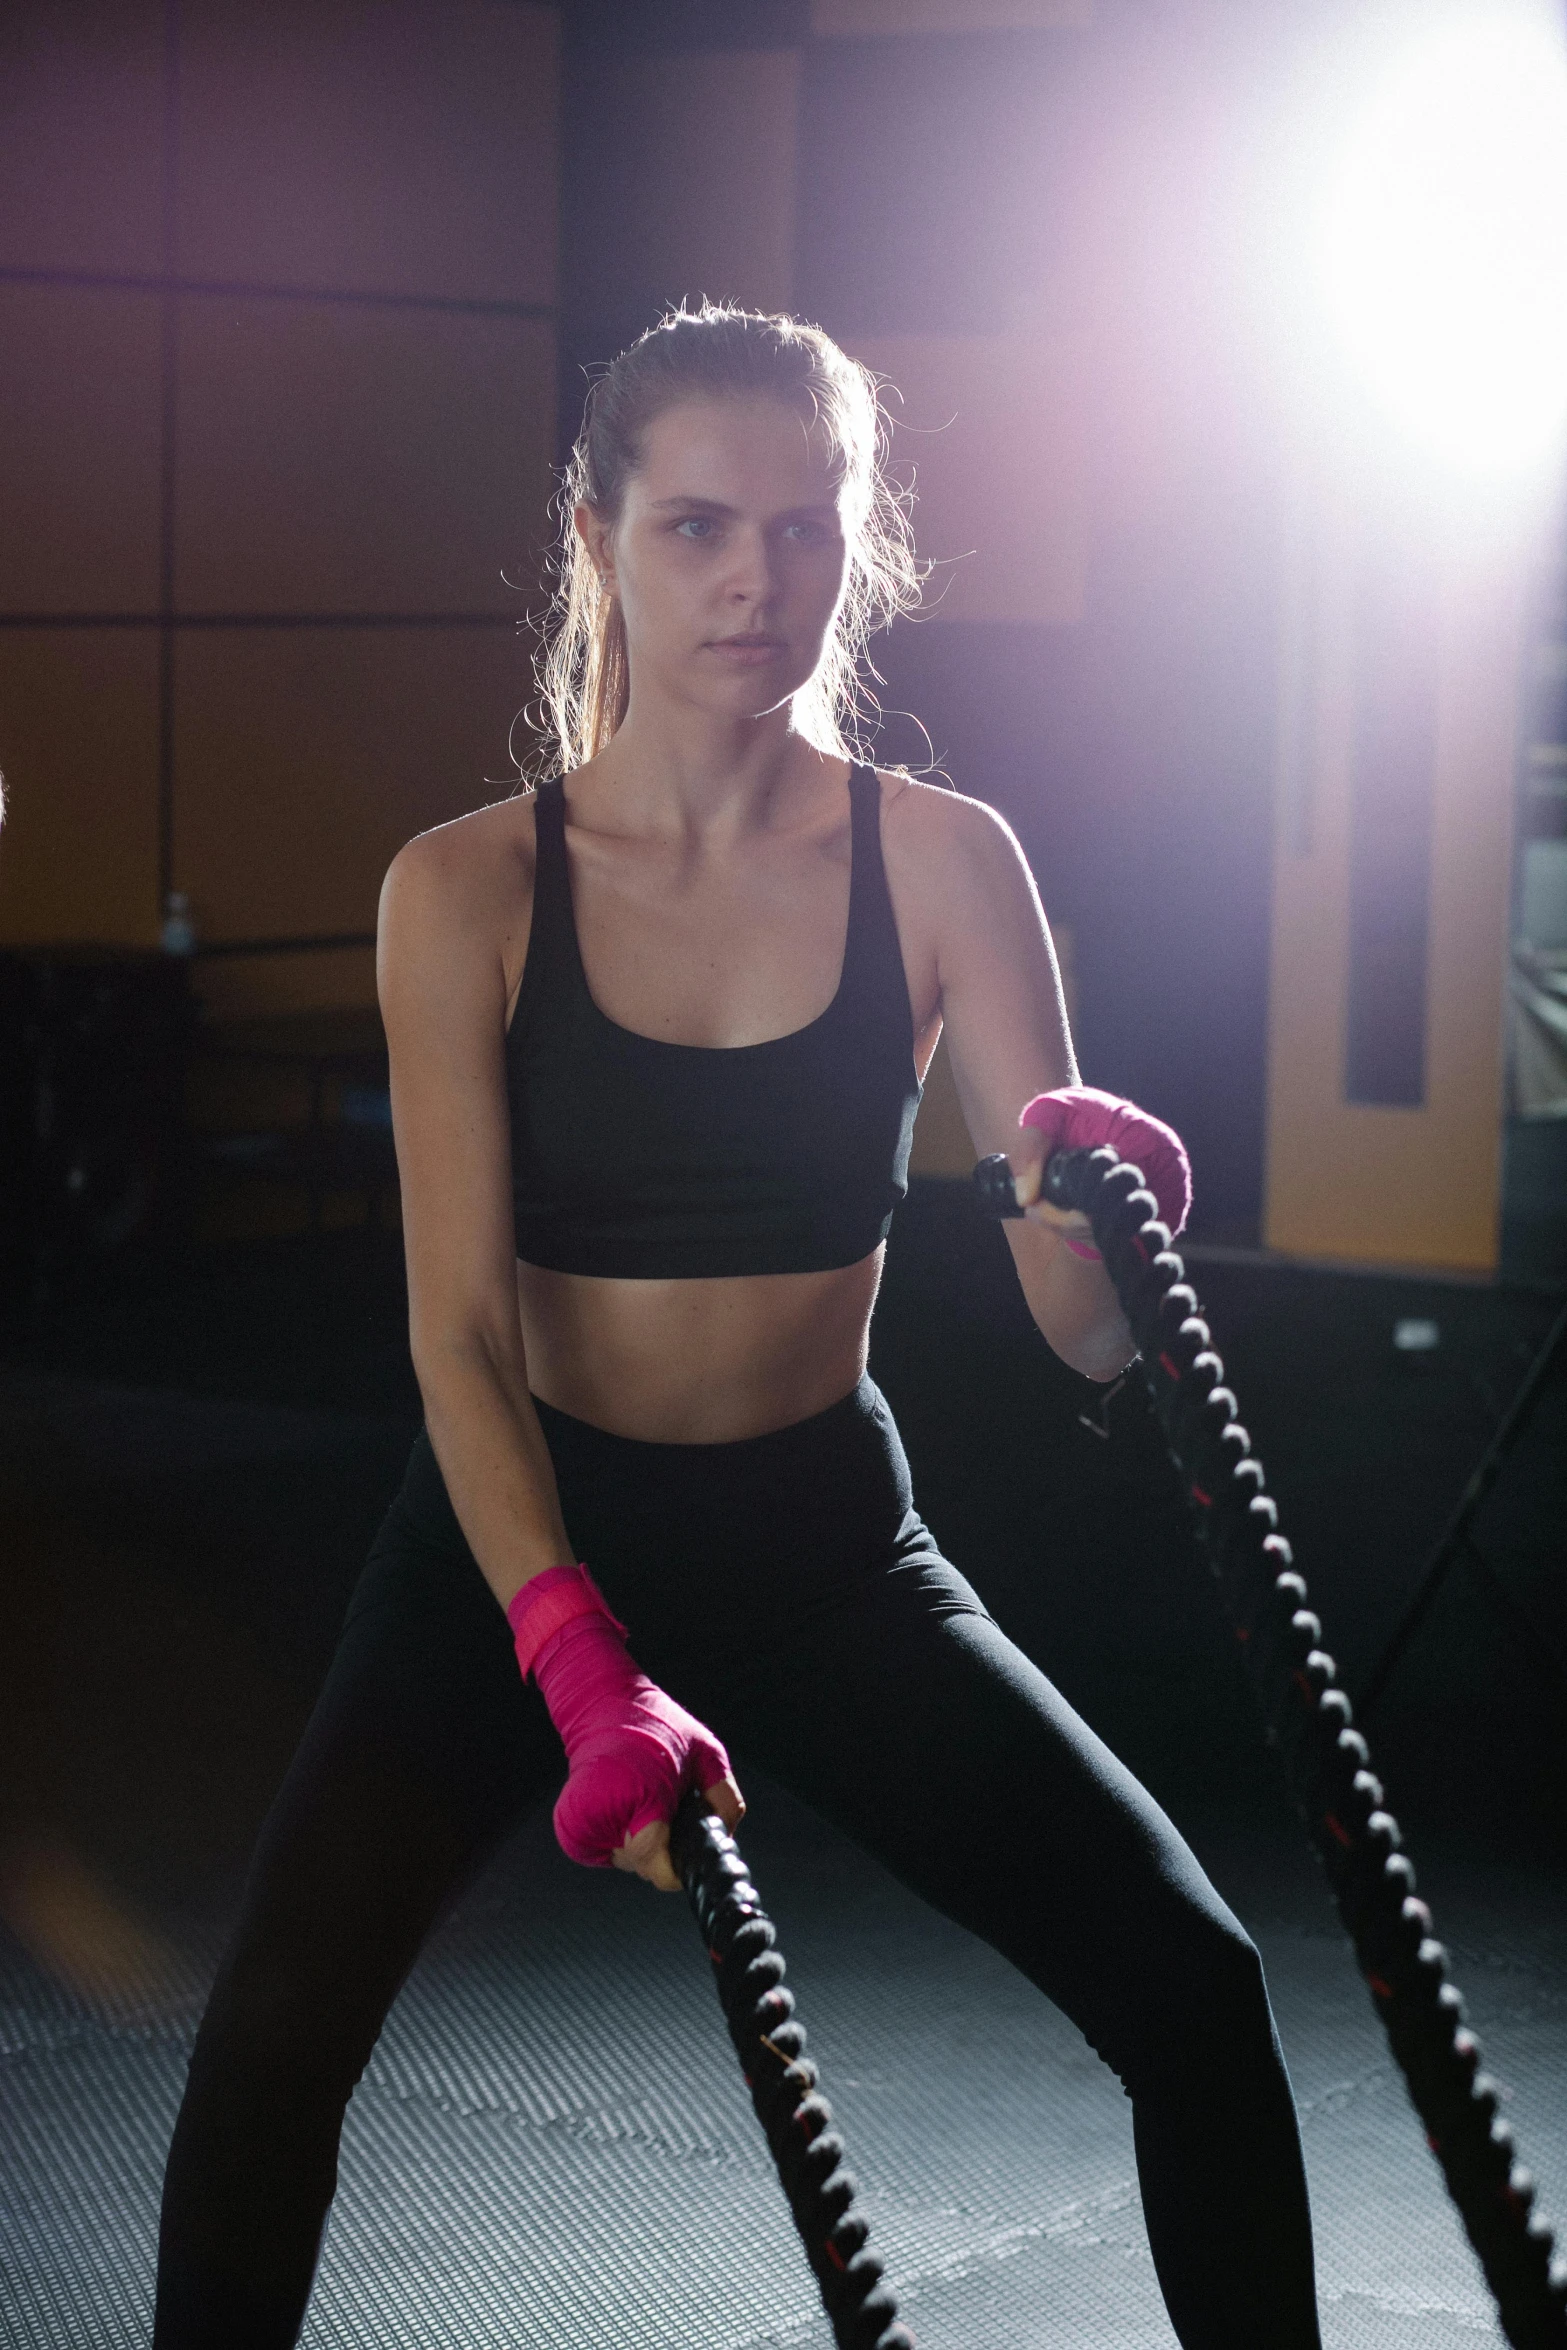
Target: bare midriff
(696, 1362)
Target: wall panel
(80, 408)
(341, 458)
(79, 751)
(995, 432)
(370, 145)
(687, 187)
(717, 139)
(1418, 1184)
(81, 136)
(333, 393)
(859, 19)
(308, 756)
(938, 181)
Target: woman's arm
(1007, 1039)
(442, 983)
(450, 908)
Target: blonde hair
(720, 352)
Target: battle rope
(770, 2043)
(1326, 1762)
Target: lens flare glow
(1443, 249)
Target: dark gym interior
(295, 306)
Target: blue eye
(695, 525)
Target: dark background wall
(294, 310)
(294, 313)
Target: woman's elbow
(453, 1352)
(1089, 1335)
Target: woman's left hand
(1080, 1117)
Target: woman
(648, 1156)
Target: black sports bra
(640, 1159)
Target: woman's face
(729, 558)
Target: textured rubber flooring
(552, 2148)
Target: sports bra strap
(557, 962)
(871, 951)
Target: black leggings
(786, 1591)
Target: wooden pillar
(1398, 688)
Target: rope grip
(797, 2121)
(1309, 1723)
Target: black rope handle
(770, 2043)
(1327, 1764)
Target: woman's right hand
(646, 1854)
(632, 1751)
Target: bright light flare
(1444, 239)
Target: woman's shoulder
(470, 857)
(466, 848)
(937, 838)
(469, 879)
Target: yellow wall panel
(996, 430)
(79, 751)
(863, 18)
(306, 757)
(81, 135)
(941, 1139)
(342, 458)
(379, 145)
(80, 435)
(1355, 1180)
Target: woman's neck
(687, 772)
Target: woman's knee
(1209, 1998)
(1184, 1994)
(1221, 1976)
(276, 2033)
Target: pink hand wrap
(1080, 1117)
(632, 1751)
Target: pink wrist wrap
(1080, 1117)
(632, 1751)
